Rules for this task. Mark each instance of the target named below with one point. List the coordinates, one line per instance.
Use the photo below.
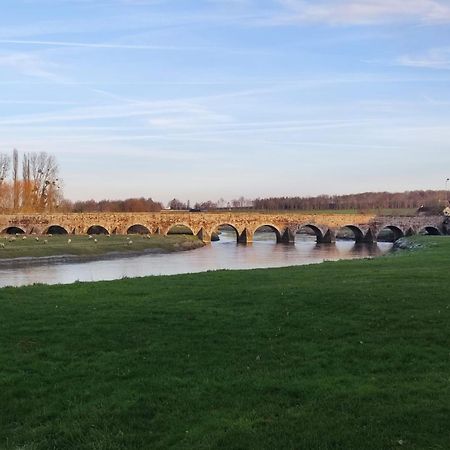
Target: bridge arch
(265, 227)
(390, 233)
(13, 230)
(138, 229)
(358, 233)
(183, 228)
(55, 229)
(430, 230)
(310, 227)
(217, 229)
(97, 229)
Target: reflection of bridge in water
(365, 227)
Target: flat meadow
(28, 246)
(341, 355)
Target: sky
(209, 99)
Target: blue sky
(202, 99)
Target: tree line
(237, 203)
(434, 200)
(362, 201)
(29, 182)
(128, 205)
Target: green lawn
(346, 355)
(38, 246)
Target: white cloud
(365, 12)
(173, 112)
(91, 45)
(30, 65)
(438, 58)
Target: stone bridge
(365, 227)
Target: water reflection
(224, 254)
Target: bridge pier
(328, 238)
(204, 236)
(369, 238)
(246, 237)
(288, 237)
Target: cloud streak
(364, 12)
(92, 45)
(135, 47)
(438, 58)
(30, 65)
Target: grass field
(346, 355)
(32, 246)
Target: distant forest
(128, 205)
(412, 200)
(433, 201)
(363, 201)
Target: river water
(224, 254)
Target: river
(224, 254)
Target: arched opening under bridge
(180, 229)
(13, 230)
(267, 233)
(138, 229)
(56, 229)
(309, 233)
(430, 231)
(97, 229)
(225, 233)
(390, 233)
(350, 233)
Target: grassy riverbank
(346, 355)
(99, 245)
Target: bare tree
(5, 163)
(43, 170)
(15, 175)
(177, 204)
(27, 184)
(39, 188)
(240, 202)
(207, 206)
